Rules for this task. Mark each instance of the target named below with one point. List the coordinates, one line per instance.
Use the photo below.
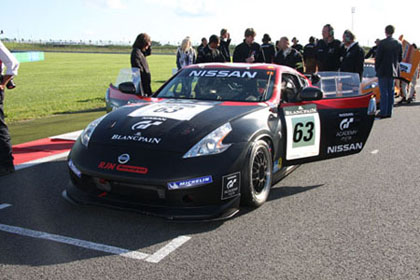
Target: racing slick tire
(257, 175)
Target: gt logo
(345, 123)
(145, 124)
(231, 183)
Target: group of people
(326, 54)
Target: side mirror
(127, 87)
(310, 94)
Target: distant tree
(156, 44)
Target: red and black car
(214, 137)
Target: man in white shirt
(12, 65)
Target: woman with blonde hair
(185, 54)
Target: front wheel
(257, 175)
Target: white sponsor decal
(345, 148)
(345, 123)
(223, 73)
(170, 110)
(136, 138)
(145, 124)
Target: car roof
(263, 66)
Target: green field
(72, 82)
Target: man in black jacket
(224, 44)
(211, 53)
(353, 55)
(288, 56)
(329, 50)
(372, 51)
(388, 57)
(267, 49)
(248, 51)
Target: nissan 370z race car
(214, 137)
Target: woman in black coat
(141, 49)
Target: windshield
(339, 84)
(369, 70)
(224, 84)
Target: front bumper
(150, 193)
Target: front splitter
(202, 213)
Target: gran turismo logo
(145, 124)
(231, 183)
(345, 123)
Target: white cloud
(107, 4)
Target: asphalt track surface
(350, 218)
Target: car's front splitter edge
(204, 213)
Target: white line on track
(163, 252)
(41, 160)
(4, 205)
(155, 258)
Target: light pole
(353, 10)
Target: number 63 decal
(303, 135)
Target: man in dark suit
(388, 57)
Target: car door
(334, 126)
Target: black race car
(214, 137)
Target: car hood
(171, 125)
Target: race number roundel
(303, 131)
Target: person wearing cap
(372, 52)
(297, 46)
(224, 44)
(309, 56)
(353, 55)
(248, 51)
(267, 49)
(12, 65)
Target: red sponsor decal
(107, 165)
(122, 168)
(132, 169)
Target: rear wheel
(257, 175)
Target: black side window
(290, 87)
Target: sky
(172, 20)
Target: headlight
(371, 86)
(211, 144)
(87, 133)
